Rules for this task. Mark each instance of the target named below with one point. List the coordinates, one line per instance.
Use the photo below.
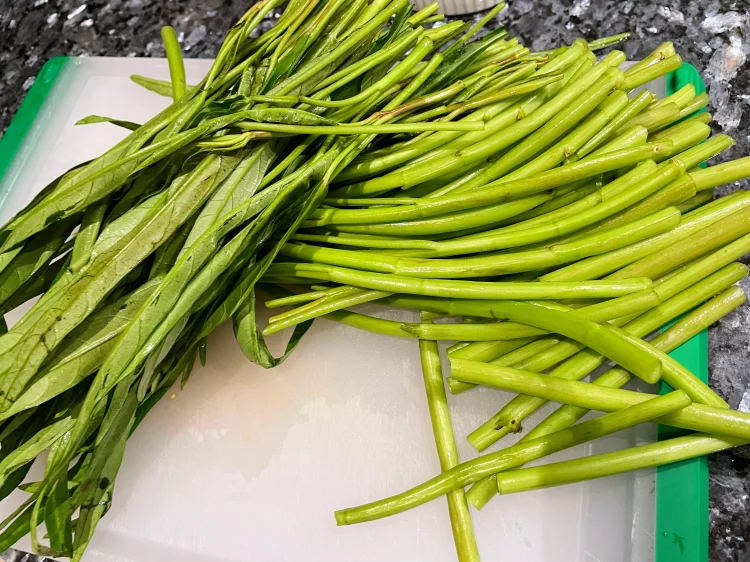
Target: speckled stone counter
(712, 35)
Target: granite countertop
(712, 35)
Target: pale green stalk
(696, 201)
(655, 118)
(607, 464)
(463, 533)
(176, 64)
(455, 289)
(320, 309)
(635, 78)
(634, 107)
(720, 174)
(681, 97)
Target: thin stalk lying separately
(608, 464)
(277, 324)
(298, 298)
(328, 295)
(463, 533)
(469, 472)
(353, 319)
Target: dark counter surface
(712, 35)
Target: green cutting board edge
(682, 488)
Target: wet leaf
(129, 125)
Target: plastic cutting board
(248, 465)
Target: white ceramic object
(459, 7)
(248, 465)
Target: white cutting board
(246, 464)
